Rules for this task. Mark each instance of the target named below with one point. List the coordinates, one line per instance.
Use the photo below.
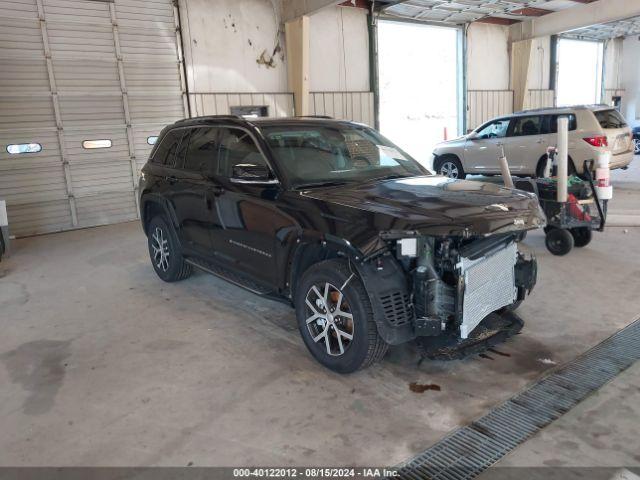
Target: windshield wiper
(391, 177)
(320, 184)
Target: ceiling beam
(292, 9)
(595, 13)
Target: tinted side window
(237, 147)
(165, 154)
(550, 123)
(202, 154)
(497, 129)
(526, 126)
(181, 152)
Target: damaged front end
(431, 286)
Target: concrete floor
(104, 364)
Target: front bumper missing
(495, 328)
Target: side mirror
(251, 173)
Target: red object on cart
(575, 210)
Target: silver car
(525, 137)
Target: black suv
(368, 246)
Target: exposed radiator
(489, 285)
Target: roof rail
(315, 116)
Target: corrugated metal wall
(356, 106)
(537, 98)
(76, 70)
(483, 105)
(279, 104)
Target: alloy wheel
(636, 146)
(160, 247)
(330, 321)
(449, 169)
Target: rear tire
(581, 236)
(558, 241)
(343, 337)
(450, 166)
(164, 251)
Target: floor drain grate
(470, 450)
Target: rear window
(610, 119)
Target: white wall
(631, 80)
(539, 64)
(223, 41)
(339, 50)
(487, 57)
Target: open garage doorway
(579, 72)
(419, 85)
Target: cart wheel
(581, 236)
(559, 241)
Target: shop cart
(569, 223)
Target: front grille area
(397, 308)
(489, 284)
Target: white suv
(525, 137)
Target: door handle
(171, 179)
(217, 190)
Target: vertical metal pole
(181, 62)
(462, 80)
(374, 85)
(563, 158)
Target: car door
(248, 215)
(482, 150)
(190, 197)
(524, 143)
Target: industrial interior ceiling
(501, 12)
(604, 31)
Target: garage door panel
(23, 76)
(87, 76)
(49, 155)
(20, 37)
(142, 13)
(91, 110)
(77, 11)
(80, 39)
(105, 209)
(26, 112)
(154, 109)
(158, 78)
(41, 217)
(141, 145)
(19, 8)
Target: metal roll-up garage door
(89, 81)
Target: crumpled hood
(439, 205)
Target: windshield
(322, 155)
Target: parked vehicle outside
(525, 137)
(369, 247)
(636, 140)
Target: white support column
(563, 158)
(56, 110)
(183, 80)
(520, 56)
(297, 41)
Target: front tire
(559, 241)
(335, 318)
(450, 166)
(164, 251)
